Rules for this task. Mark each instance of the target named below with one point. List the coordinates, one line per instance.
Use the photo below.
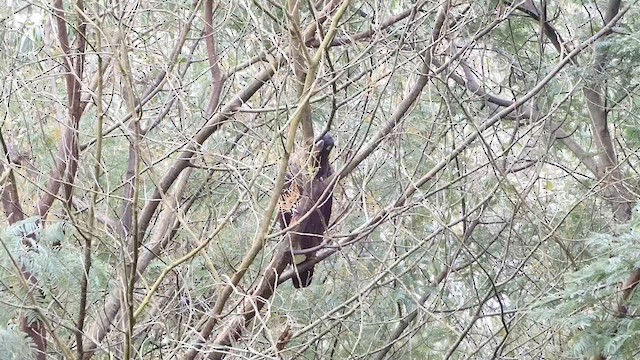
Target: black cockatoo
(308, 179)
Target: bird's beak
(319, 145)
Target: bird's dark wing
(318, 221)
(293, 193)
(314, 229)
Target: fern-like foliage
(14, 345)
(52, 256)
(591, 295)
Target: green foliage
(15, 345)
(51, 256)
(530, 281)
(590, 295)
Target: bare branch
(212, 57)
(10, 198)
(66, 162)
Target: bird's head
(324, 145)
(321, 150)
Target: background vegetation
(485, 190)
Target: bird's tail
(302, 279)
